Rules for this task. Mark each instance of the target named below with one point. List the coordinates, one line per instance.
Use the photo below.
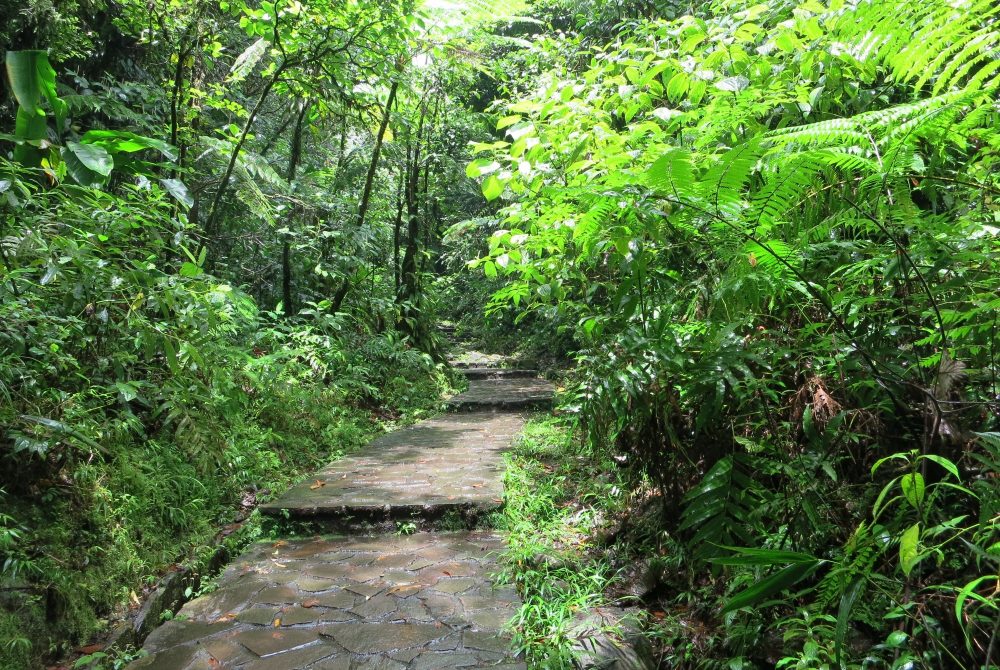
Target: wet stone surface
(505, 393)
(387, 602)
(419, 601)
(499, 373)
(452, 462)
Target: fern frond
(928, 42)
(717, 511)
(672, 175)
(723, 185)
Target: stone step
(478, 359)
(448, 468)
(423, 601)
(498, 373)
(505, 394)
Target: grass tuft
(556, 496)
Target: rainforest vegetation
(758, 243)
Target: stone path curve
(371, 598)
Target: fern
(923, 41)
(723, 185)
(672, 174)
(718, 510)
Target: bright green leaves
(33, 80)
(913, 489)
(492, 187)
(121, 141)
(797, 566)
(909, 548)
(769, 586)
(481, 167)
(87, 164)
(89, 160)
(247, 60)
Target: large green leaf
(847, 601)
(755, 556)
(492, 187)
(120, 141)
(78, 170)
(779, 581)
(179, 190)
(22, 73)
(96, 158)
(31, 78)
(913, 488)
(909, 548)
(31, 129)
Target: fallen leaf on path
(317, 485)
(309, 603)
(277, 636)
(90, 648)
(400, 588)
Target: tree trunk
(211, 221)
(345, 286)
(397, 227)
(295, 156)
(409, 284)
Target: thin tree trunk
(213, 213)
(345, 286)
(410, 274)
(295, 155)
(397, 228)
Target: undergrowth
(556, 497)
(81, 545)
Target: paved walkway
(451, 463)
(376, 602)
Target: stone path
(504, 393)
(448, 464)
(376, 602)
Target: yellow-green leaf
(913, 489)
(909, 548)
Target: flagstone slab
(452, 463)
(498, 373)
(505, 394)
(419, 601)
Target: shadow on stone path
(385, 602)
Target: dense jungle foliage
(761, 239)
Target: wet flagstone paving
(505, 393)
(424, 601)
(452, 461)
(388, 602)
